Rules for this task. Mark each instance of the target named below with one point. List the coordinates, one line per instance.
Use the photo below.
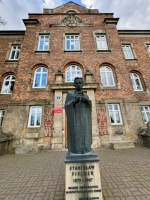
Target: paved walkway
(125, 175)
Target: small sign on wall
(57, 110)
(58, 97)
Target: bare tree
(2, 21)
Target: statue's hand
(77, 100)
(84, 99)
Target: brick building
(37, 68)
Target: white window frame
(73, 69)
(40, 73)
(114, 114)
(145, 113)
(2, 113)
(128, 54)
(16, 52)
(45, 42)
(6, 89)
(74, 40)
(35, 116)
(134, 82)
(106, 71)
(101, 42)
(148, 47)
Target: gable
(70, 6)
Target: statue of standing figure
(78, 109)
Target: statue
(78, 109)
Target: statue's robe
(79, 124)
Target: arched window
(8, 84)
(136, 82)
(72, 72)
(107, 77)
(40, 78)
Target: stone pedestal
(82, 177)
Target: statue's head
(78, 83)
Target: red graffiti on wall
(102, 120)
(48, 120)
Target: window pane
(41, 45)
(148, 116)
(44, 80)
(117, 117)
(68, 44)
(37, 80)
(115, 107)
(32, 119)
(44, 70)
(17, 55)
(11, 85)
(112, 118)
(144, 117)
(72, 46)
(103, 77)
(38, 121)
(39, 70)
(76, 44)
(12, 55)
(110, 107)
(110, 79)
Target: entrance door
(64, 122)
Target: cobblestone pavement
(125, 175)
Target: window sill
(121, 125)
(133, 59)
(104, 51)
(9, 61)
(110, 88)
(73, 51)
(140, 92)
(32, 129)
(41, 52)
(37, 89)
(5, 95)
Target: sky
(133, 14)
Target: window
(15, 51)
(40, 78)
(107, 77)
(127, 52)
(148, 48)
(72, 72)
(35, 116)
(2, 112)
(146, 113)
(43, 43)
(8, 84)
(72, 42)
(137, 86)
(114, 113)
(101, 42)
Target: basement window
(2, 112)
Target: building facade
(38, 66)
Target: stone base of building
(28, 149)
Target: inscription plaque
(83, 181)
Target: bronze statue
(78, 109)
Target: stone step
(122, 145)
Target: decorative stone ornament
(71, 21)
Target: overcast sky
(133, 14)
